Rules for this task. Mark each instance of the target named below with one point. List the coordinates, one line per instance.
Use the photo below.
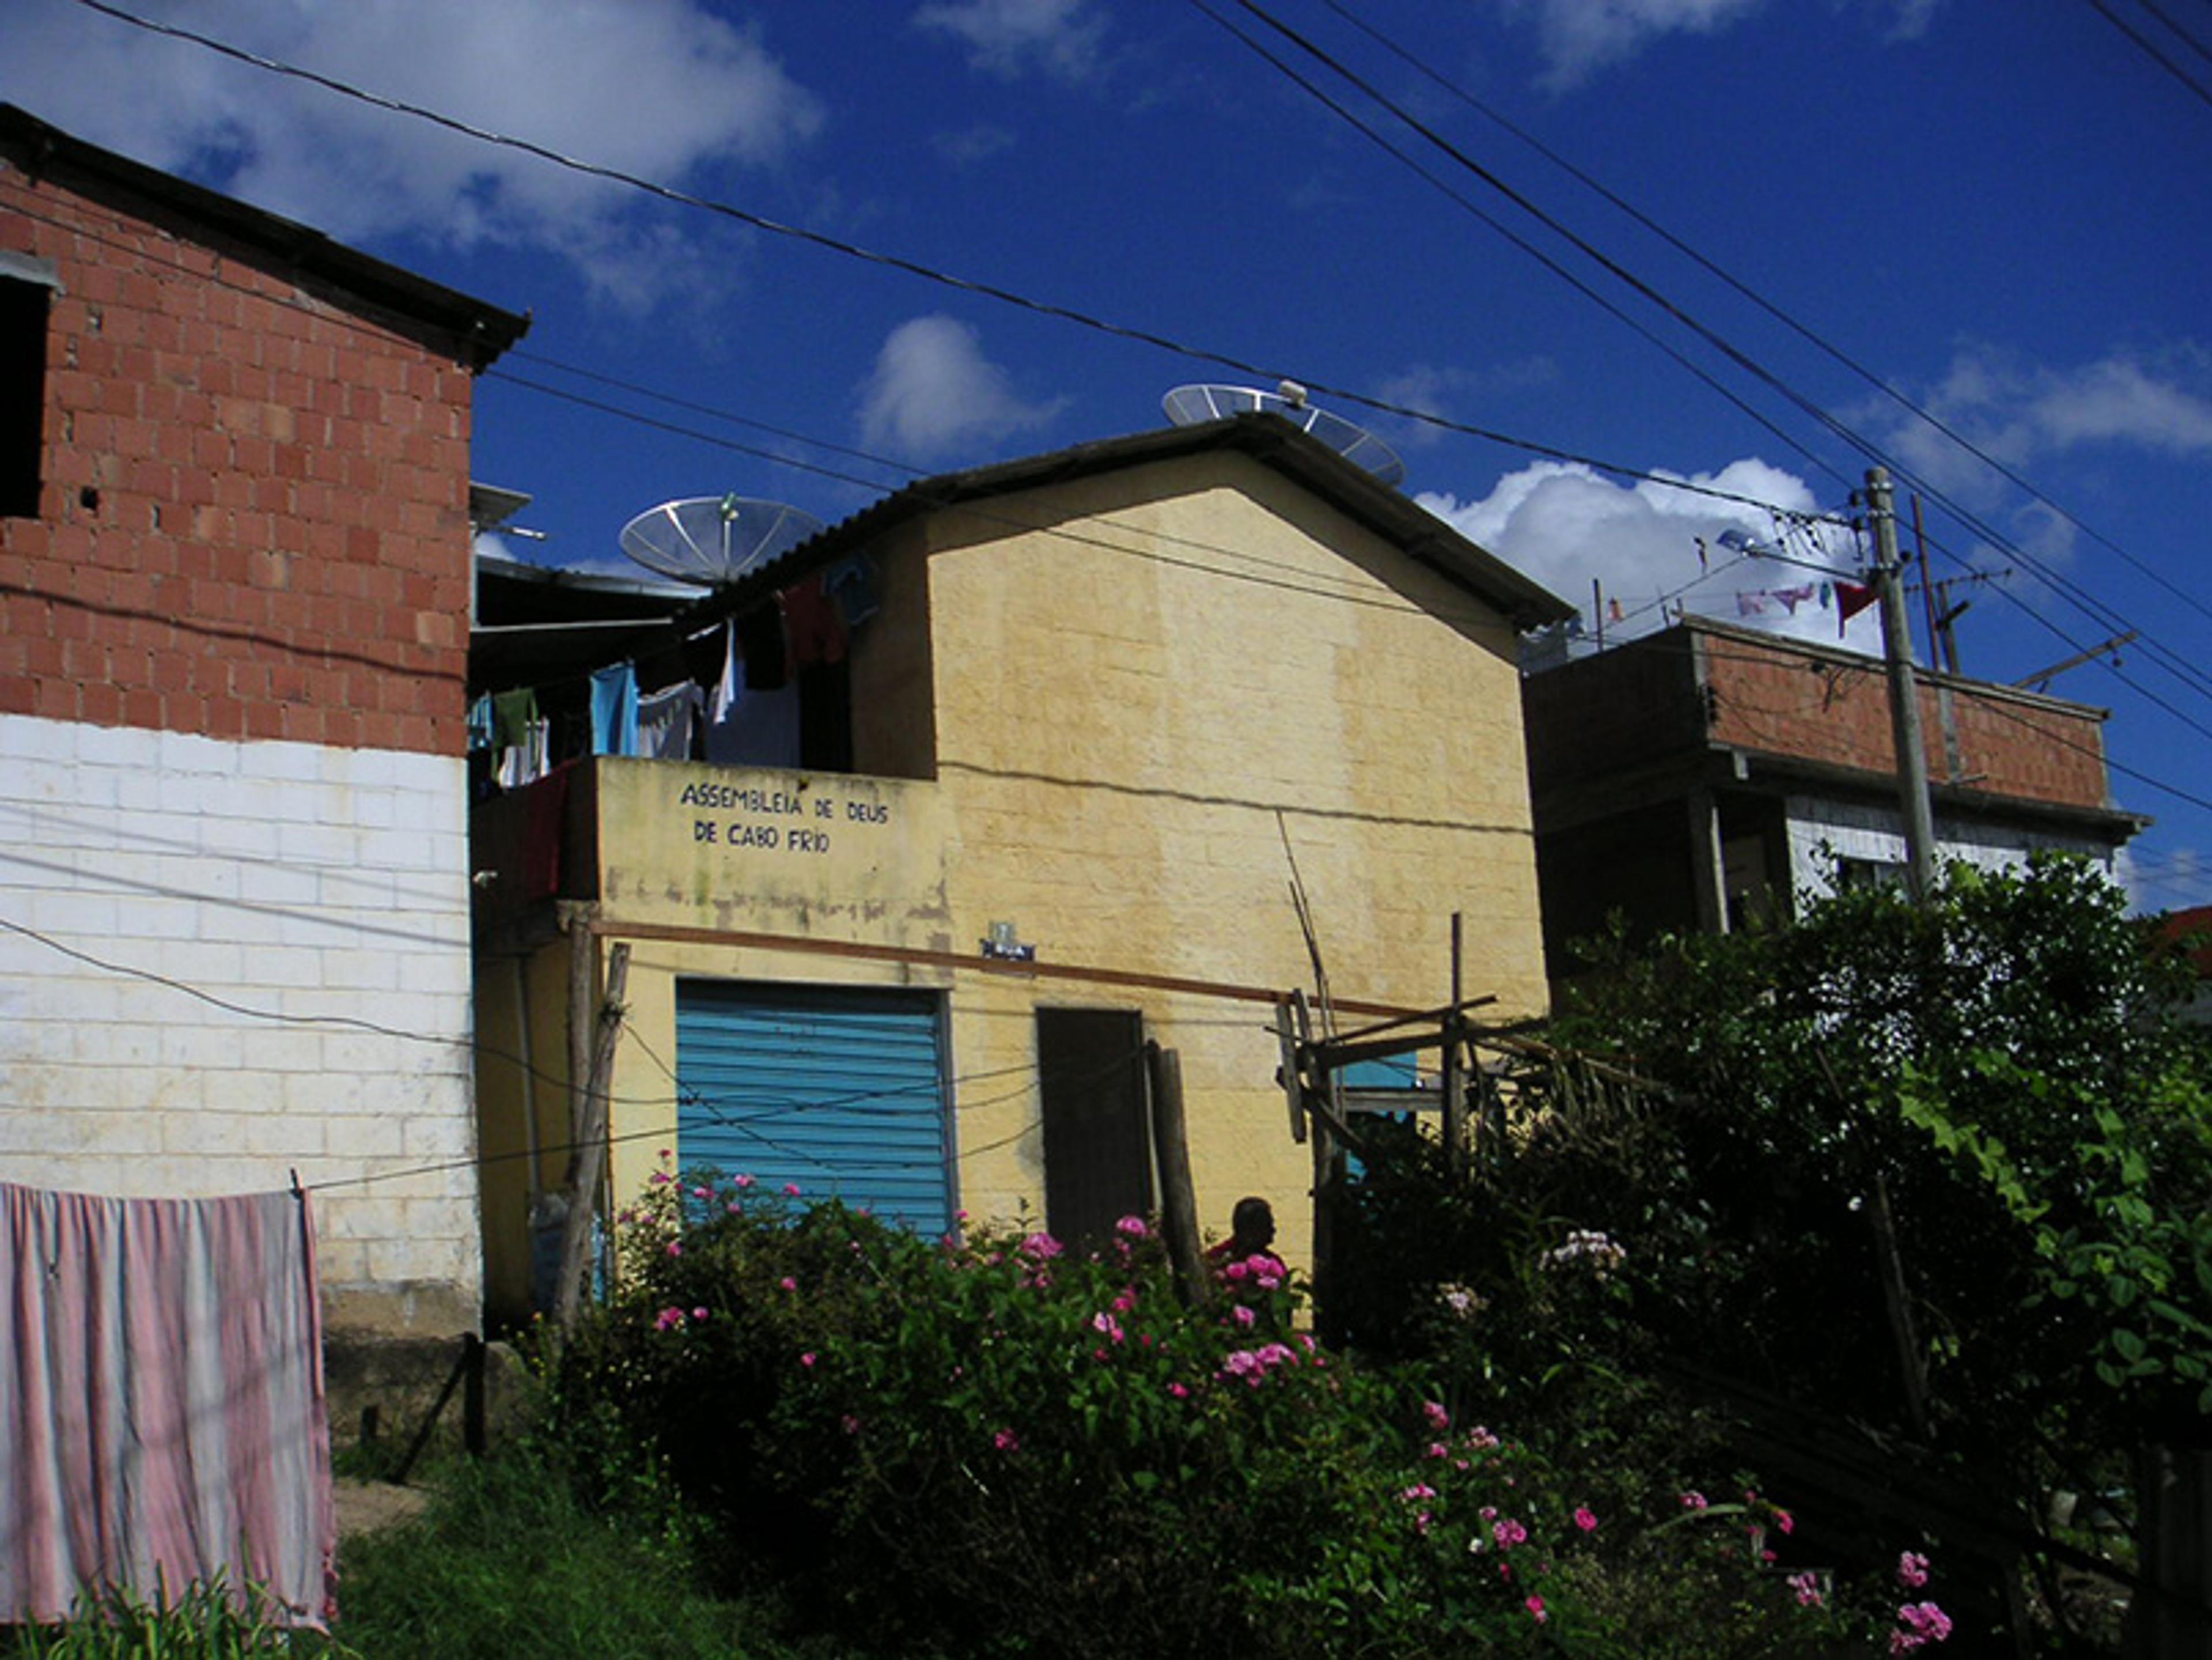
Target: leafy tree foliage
(1932, 1176)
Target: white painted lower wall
(189, 930)
(1821, 831)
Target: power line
(2152, 49)
(1803, 331)
(2180, 666)
(900, 263)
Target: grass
(504, 1562)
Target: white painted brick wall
(1822, 831)
(286, 880)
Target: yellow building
(1101, 701)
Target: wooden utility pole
(1904, 691)
(587, 1162)
(1171, 1154)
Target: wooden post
(1171, 1153)
(1454, 1083)
(589, 1164)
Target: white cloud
(933, 393)
(2020, 413)
(1580, 36)
(1567, 526)
(655, 88)
(1007, 37)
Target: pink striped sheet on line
(161, 1413)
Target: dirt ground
(365, 1506)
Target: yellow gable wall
(1129, 690)
(1135, 703)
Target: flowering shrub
(996, 1444)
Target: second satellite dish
(1188, 405)
(712, 540)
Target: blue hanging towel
(614, 710)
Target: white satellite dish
(712, 540)
(1188, 405)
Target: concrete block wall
(233, 645)
(222, 963)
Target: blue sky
(1996, 212)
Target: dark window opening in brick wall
(22, 392)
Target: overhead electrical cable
(2152, 49)
(1803, 331)
(911, 267)
(2173, 661)
(2180, 666)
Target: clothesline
(751, 717)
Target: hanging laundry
(520, 737)
(729, 688)
(1613, 612)
(483, 724)
(850, 585)
(162, 1391)
(763, 731)
(614, 710)
(667, 721)
(760, 643)
(1792, 597)
(1753, 602)
(726, 706)
(812, 625)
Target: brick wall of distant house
(1782, 699)
(253, 521)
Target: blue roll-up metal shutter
(840, 1089)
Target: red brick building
(234, 588)
(1707, 775)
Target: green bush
(997, 1446)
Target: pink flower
(1784, 1520)
(660, 1178)
(1179, 1391)
(788, 1283)
(1912, 1570)
(1234, 1271)
(1040, 1246)
(1126, 1301)
(699, 1314)
(849, 1424)
(1132, 1227)
(1243, 1315)
(1437, 1450)
(1007, 1441)
(743, 1182)
(1419, 1490)
(1508, 1533)
(791, 1190)
(1694, 1500)
(675, 1248)
(1439, 1419)
(703, 1193)
(1107, 1325)
(807, 1358)
(1480, 1439)
(668, 1320)
(1585, 1518)
(1807, 1587)
(1919, 1625)
(1535, 1606)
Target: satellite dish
(711, 540)
(1188, 405)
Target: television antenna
(710, 541)
(1187, 406)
